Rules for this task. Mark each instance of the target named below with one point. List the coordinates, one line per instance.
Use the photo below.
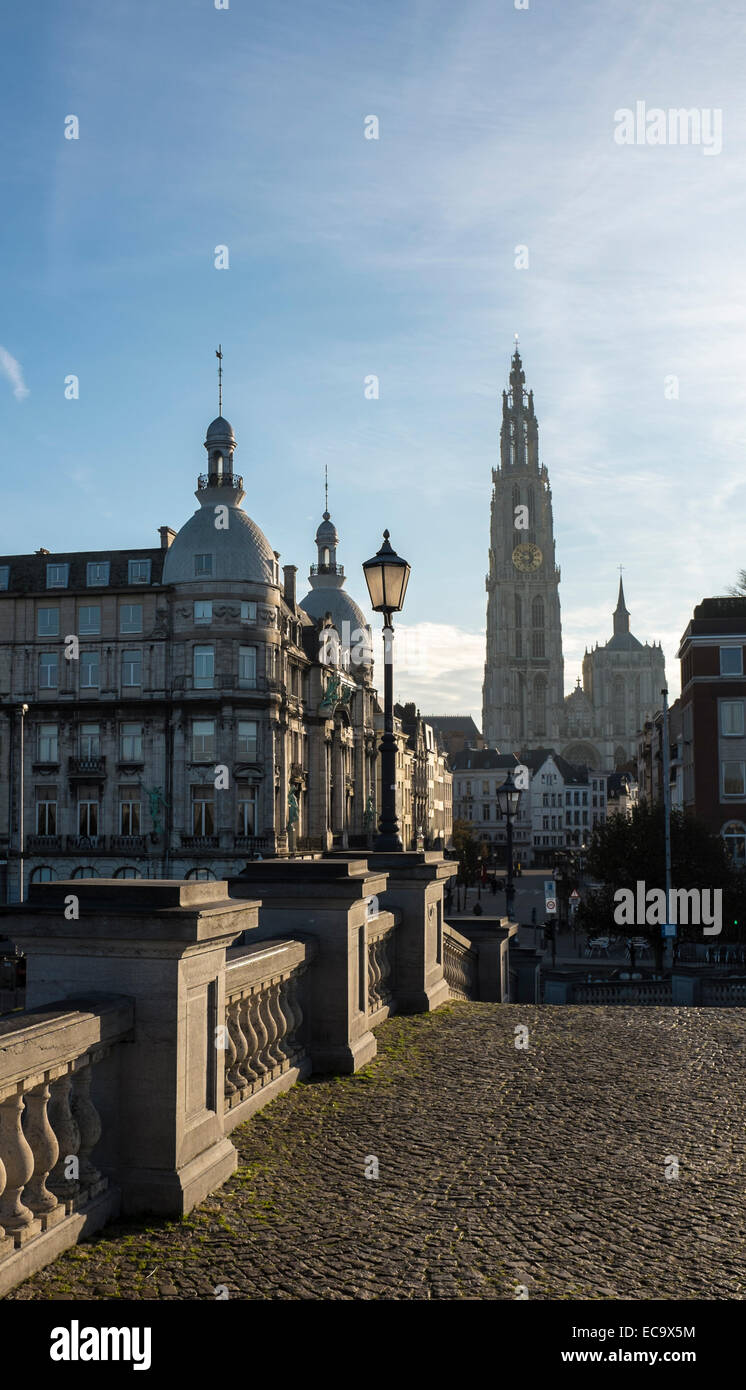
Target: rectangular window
(203, 740)
(731, 718)
(48, 744)
(97, 573)
(202, 566)
(731, 661)
(89, 741)
(138, 572)
(130, 743)
(57, 576)
(4, 576)
(247, 738)
(47, 622)
(733, 779)
(485, 813)
(89, 667)
(129, 813)
(248, 612)
(46, 810)
(246, 810)
(203, 611)
(203, 810)
(204, 668)
(131, 668)
(130, 617)
(89, 620)
(48, 671)
(485, 789)
(88, 818)
(247, 667)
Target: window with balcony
(132, 668)
(203, 611)
(248, 612)
(203, 740)
(130, 743)
(57, 576)
(89, 620)
(46, 810)
(731, 718)
(130, 617)
(97, 573)
(89, 741)
(203, 810)
(202, 566)
(47, 743)
(204, 668)
(129, 813)
(88, 817)
(246, 824)
(48, 671)
(89, 670)
(247, 667)
(138, 572)
(731, 661)
(48, 622)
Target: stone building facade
(185, 711)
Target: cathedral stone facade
(524, 706)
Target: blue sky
(396, 257)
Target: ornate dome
(220, 430)
(319, 602)
(240, 551)
(327, 532)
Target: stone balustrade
(460, 965)
(266, 1015)
(381, 966)
(51, 1190)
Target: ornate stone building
(185, 712)
(523, 693)
(523, 703)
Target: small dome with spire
(220, 430)
(327, 533)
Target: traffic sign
(574, 896)
(550, 905)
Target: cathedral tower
(523, 692)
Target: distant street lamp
(508, 796)
(387, 576)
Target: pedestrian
(493, 885)
(477, 909)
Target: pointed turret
(621, 614)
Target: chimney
(167, 535)
(289, 572)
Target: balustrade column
(236, 1077)
(45, 1149)
(252, 1041)
(18, 1159)
(62, 1120)
(261, 1035)
(88, 1120)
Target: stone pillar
(329, 899)
(160, 1097)
(416, 880)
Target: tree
(626, 850)
(738, 590)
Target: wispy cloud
(13, 370)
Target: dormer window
(4, 576)
(138, 572)
(57, 576)
(202, 566)
(97, 573)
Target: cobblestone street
(498, 1167)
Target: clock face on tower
(527, 556)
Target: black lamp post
(508, 796)
(387, 576)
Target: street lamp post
(508, 796)
(387, 576)
(23, 712)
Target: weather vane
(219, 355)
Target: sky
(393, 257)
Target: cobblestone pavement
(497, 1167)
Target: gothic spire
(621, 613)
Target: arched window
(325, 555)
(200, 874)
(127, 871)
(518, 625)
(85, 871)
(531, 509)
(734, 834)
(537, 623)
(44, 874)
(618, 720)
(537, 612)
(539, 711)
(516, 498)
